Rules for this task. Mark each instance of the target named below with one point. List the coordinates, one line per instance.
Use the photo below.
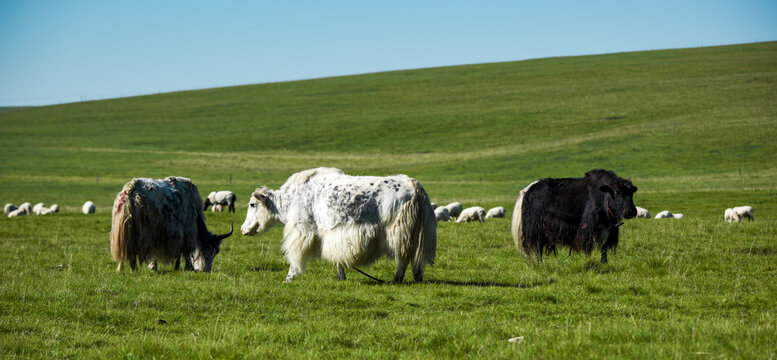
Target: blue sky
(55, 52)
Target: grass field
(694, 129)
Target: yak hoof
(340, 273)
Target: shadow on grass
(267, 268)
(527, 285)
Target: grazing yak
(454, 209)
(441, 214)
(88, 207)
(348, 220)
(497, 212)
(581, 213)
(472, 214)
(223, 198)
(162, 220)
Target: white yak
(348, 220)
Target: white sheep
(643, 213)
(497, 212)
(9, 207)
(731, 216)
(472, 214)
(664, 215)
(17, 212)
(678, 216)
(88, 207)
(744, 212)
(442, 214)
(54, 208)
(454, 208)
(27, 207)
(36, 209)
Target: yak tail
(517, 223)
(120, 227)
(424, 228)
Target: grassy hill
(694, 129)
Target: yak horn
(222, 237)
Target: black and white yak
(348, 220)
(160, 221)
(581, 213)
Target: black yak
(581, 213)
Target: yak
(581, 213)
(162, 220)
(348, 220)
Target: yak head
(619, 198)
(203, 255)
(261, 214)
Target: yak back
(167, 217)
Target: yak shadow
(267, 268)
(520, 285)
(484, 284)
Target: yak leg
(418, 272)
(604, 256)
(340, 272)
(401, 268)
(294, 270)
(188, 263)
(177, 263)
(121, 265)
(133, 264)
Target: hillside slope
(673, 120)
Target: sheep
(678, 216)
(37, 208)
(472, 214)
(497, 212)
(54, 208)
(9, 207)
(664, 215)
(442, 214)
(17, 212)
(643, 213)
(88, 207)
(730, 215)
(27, 207)
(744, 212)
(454, 209)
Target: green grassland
(694, 129)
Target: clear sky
(56, 51)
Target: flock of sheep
(735, 214)
(26, 208)
(448, 212)
(455, 210)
